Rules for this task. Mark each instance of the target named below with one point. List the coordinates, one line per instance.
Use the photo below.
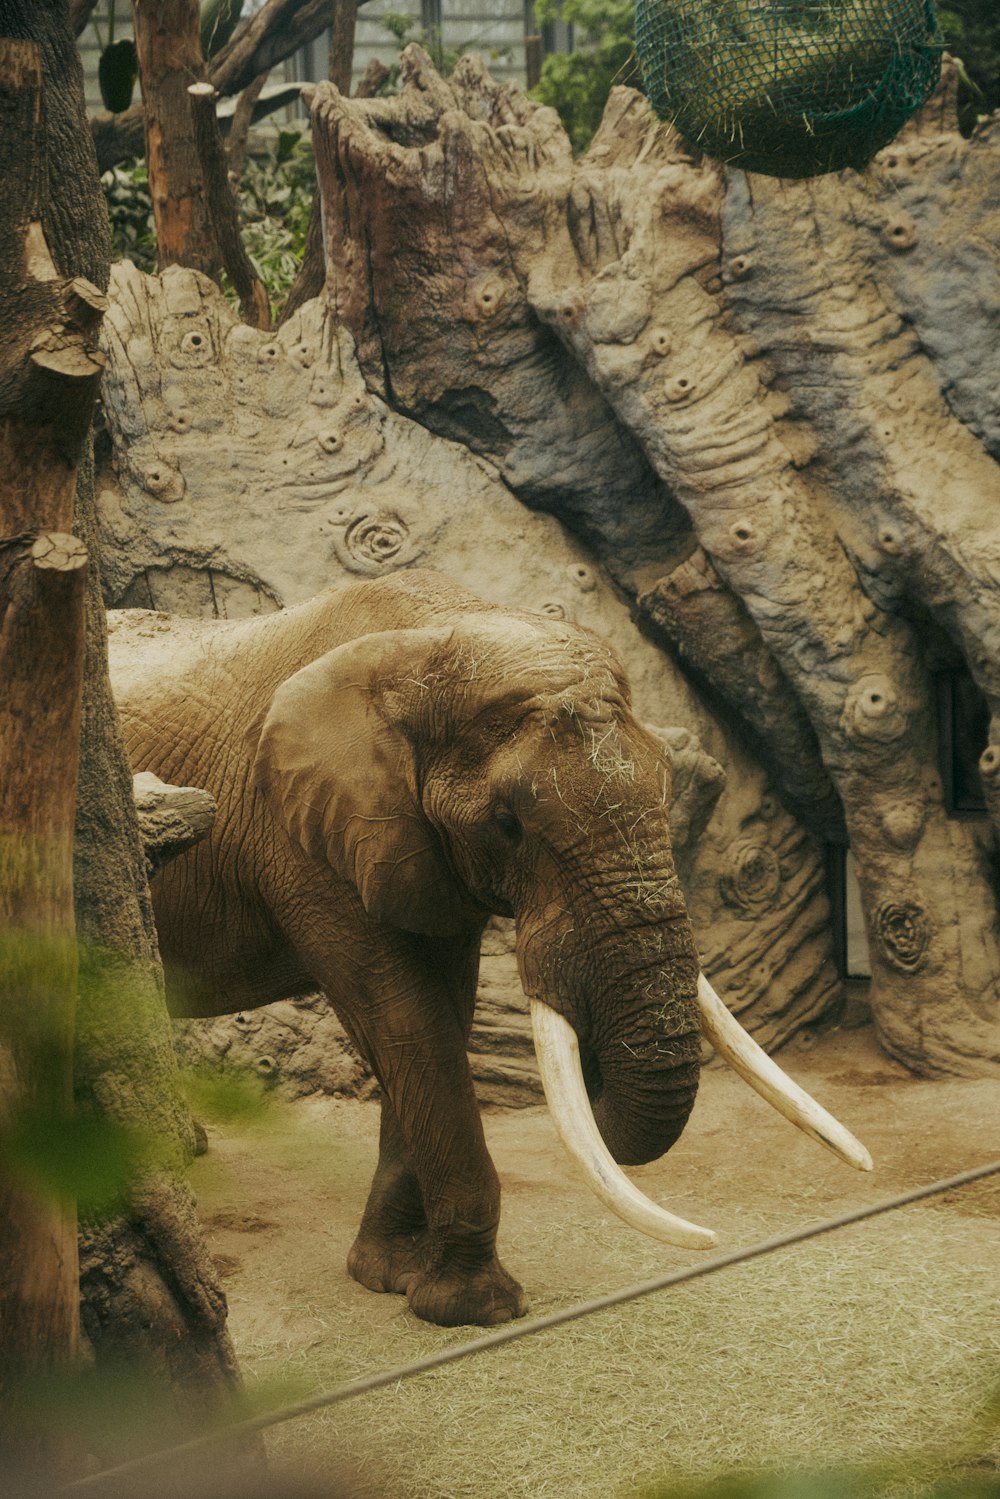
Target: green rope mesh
(792, 88)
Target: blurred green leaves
(72, 1157)
(275, 199)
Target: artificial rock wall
(746, 429)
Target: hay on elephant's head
(788, 87)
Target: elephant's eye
(508, 824)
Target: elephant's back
(145, 644)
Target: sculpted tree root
(764, 403)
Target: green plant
(401, 27)
(577, 83)
(275, 198)
(972, 33)
(130, 209)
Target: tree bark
(239, 127)
(168, 43)
(49, 373)
(773, 372)
(41, 672)
(149, 1287)
(271, 34)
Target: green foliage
(577, 84)
(406, 29)
(275, 198)
(73, 1158)
(130, 209)
(230, 1096)
(972, 33)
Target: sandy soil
(878, 1341)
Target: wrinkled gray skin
(394, 762)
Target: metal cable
(515, 1330)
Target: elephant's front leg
(430, 1225)
(390, 1246)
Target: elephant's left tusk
(566, 1094)
(756, 1067)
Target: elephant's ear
(337, 763)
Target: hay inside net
(791, 88)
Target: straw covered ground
(880, 1342)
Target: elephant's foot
(451, 1296)
(386, 1262)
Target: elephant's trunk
(630, 993)
(642, 1061)
(640, 1058)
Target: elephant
(395, 761)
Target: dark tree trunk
(49, 374)
(223, 209)
(149, 1286)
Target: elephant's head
(493, 765)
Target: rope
(515, 1330)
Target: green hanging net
(792, 88)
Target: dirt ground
(878, 1342)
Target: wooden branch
(223, 210)
(275, 32)
(80, 12)
(239, 127)
(340, 62)
(171, 818)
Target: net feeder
(790, 88)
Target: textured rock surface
(787, 358)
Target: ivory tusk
(756, 1067)
(566, 1095)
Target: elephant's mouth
(572, 1081)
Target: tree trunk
(168, 43)
(276, 31)
(49, 374)
(671, 356)
(149, 1287)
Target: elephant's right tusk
(755, 1066)
(566, 1094)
